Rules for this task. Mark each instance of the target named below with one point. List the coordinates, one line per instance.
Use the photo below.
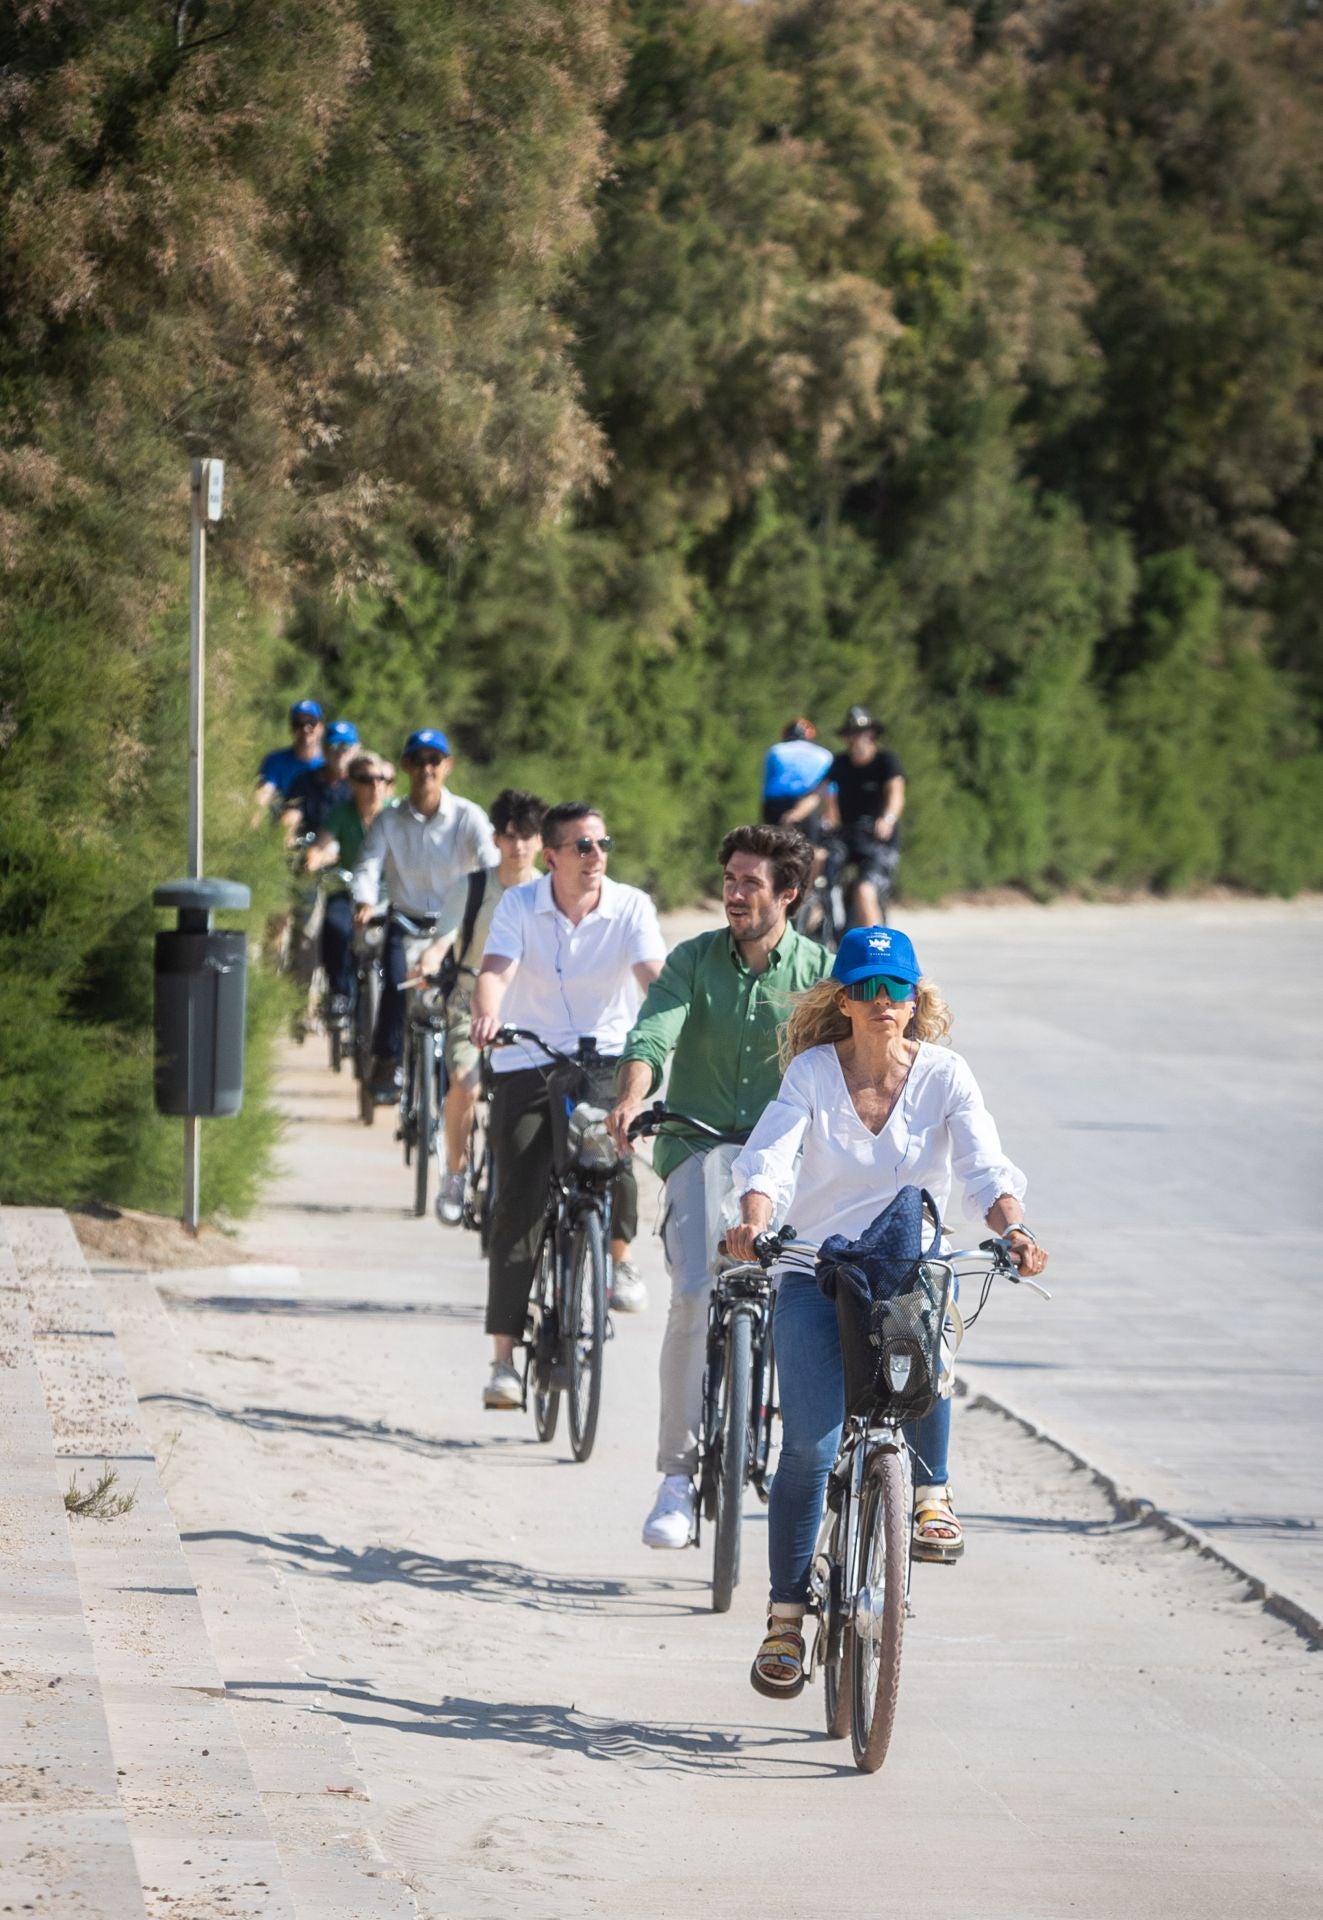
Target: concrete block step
(312, 1789)
(65, 1847)
(200, 1837)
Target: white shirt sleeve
(767, 1161)
(645, 934)
(977, 1159)
(505, 940)
(478, 840)
(366, 886)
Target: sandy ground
(1093, 1719)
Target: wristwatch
(1028, 1232)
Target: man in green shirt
(718, 1003)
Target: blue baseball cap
(305, 710)
(867, 952)
(342, 733)
(427, 739)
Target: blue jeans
(812, 1394)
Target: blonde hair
(817, 1019)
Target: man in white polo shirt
(567, 956)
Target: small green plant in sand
(99, 1501)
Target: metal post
(197, 631)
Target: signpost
(207, 492)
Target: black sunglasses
(585, 843)
(370, 779)
(427, 759)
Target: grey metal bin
(201, 995)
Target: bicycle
(423, 1072)
(567, 1311)
(859, 1579)
(739, 1382)
(368, 943)
(824, 913)
(480, 1165)
(338, 1022)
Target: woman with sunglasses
(869, 1103)
(338, 844)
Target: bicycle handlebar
(586, 1056)
(769, 1246)
(655, 1117)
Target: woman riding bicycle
(874, 1105)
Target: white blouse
(939, 1126)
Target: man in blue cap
(412, 856)
(312, 793)
(281, 767)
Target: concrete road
(1158, 1072)
(1093, 1719)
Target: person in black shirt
(869, 784)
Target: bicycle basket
(890, 1296)
(590, 1147)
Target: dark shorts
(868, 859)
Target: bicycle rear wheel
(544, 1341)
(424, 1117)
(877, 1607)
(732, 1459)
(585, 1331)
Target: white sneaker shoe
(628, 1293)
(504, 1390)
(450, 1200)
(671, 1522)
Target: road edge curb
(1131, 1506)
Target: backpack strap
(472, 908)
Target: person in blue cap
(869, 1102)
(284, 764)
(312, 793)
(412, 856)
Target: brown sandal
(778, 1667)
(938, 1535)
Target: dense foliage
(610, 381)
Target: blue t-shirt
(283, 767)
(793, 768)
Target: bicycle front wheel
(732, 1460)
(585, 1331)
(424, 1117)
(544, 1341)
(877, 1608)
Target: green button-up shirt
(722, 1021)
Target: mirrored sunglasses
(878, 983)
(585, 843)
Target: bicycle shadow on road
(339, 1426)
(492, 1582)
(294, 1307)
(671, 1747)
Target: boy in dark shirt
(869, 785)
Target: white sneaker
(505, 1389)
(450, 1200)
(671, 1522)
(628, 1293)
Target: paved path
(548, 1719)
(1158, 1071)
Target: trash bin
(201, 994)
